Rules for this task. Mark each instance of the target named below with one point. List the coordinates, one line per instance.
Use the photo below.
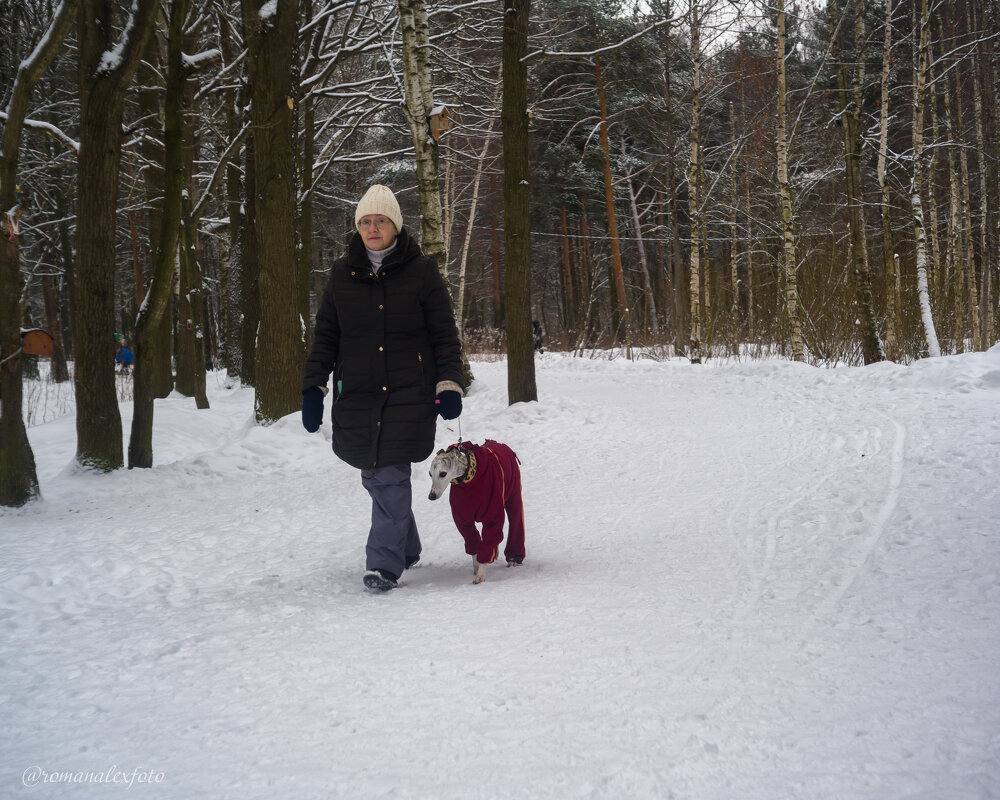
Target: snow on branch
(200, 60)
(51, 130)
(268, 12)
(124, 55)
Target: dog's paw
(515, 563)
(479, 571)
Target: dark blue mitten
(449, 404)
(312, 409)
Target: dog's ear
(440, 452)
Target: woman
(386, 330)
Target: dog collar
(470, 471)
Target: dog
(485, 484)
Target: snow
(268, 10)
(744, 580)
(199, 60)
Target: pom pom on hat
(379, 199)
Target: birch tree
(785, 201)
(419, 103)
(694, 195)
(917, 184)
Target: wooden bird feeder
(438, 120)
(36, 342)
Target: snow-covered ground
(759, 580)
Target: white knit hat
(379, 199)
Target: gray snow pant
(393, 537)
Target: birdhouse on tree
(438, 120)
(36, 342)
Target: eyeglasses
(381, 223)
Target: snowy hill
(759, 580)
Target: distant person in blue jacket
(124, 357)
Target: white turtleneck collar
(376, 257)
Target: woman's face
(378, 232)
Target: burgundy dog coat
(494, 488)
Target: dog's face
(446, 466)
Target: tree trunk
(148, 342)
(516, 205)
(734, 262)
(158, 366)
(305, 250)
(986, 325)
(785, 200)
(676, 262)
(892, 332)
(232, 271)
(103, 80)
(694, 197)
(618, 275)
(419, 99)
(848, 92)
(191, 332)
(916, 187)
(970, 277)
(248, 285)
(280, 352)
(18, 478)
(495, 263)
(569, 300)
(954, 271)
(195, 301)
(647, 283)
(935, 275)
(60, 373)
(586, 271)
(480, 163)
(750, 237)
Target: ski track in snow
(756, 580)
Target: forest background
(699, 179)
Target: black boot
(380, 580)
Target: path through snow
(743, 581)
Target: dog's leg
(514, 551)
(478, 571)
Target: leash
(459, 442)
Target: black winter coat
(388, 338)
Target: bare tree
(271, 30)
(18, 480)
(516, 196)
(106, 69)
(849, 84)
(892, 335)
